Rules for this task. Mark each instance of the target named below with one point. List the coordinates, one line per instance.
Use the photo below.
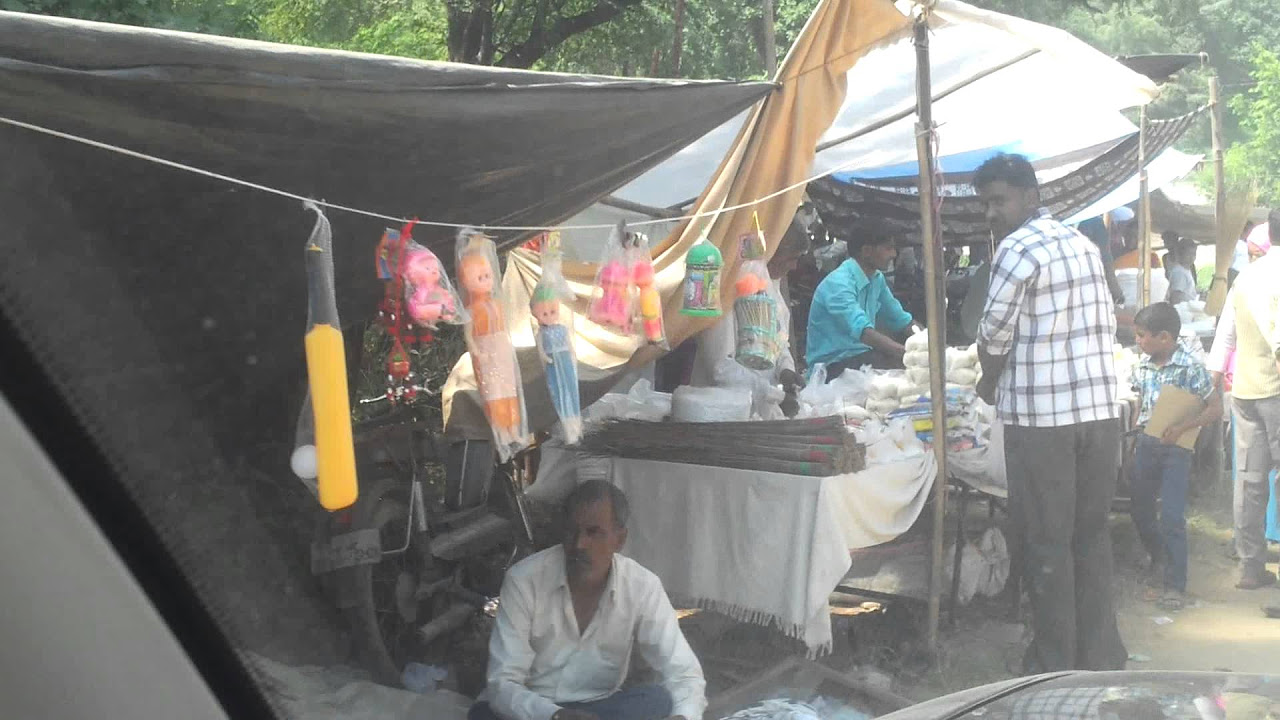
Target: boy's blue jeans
(1162, 472)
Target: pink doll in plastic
(427, 301)
(612, 309)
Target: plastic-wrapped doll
(492, 355)
(555, 345)
(612, 305)
(649, 301)
(429, 298)
(553, 332)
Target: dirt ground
(1223, 629)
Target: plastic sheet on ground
(343, 693)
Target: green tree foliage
(1256, 161)
(723, 39)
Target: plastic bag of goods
(492, 355)
(710, 404)
(853, 386)
(766, 398)
(613, 300)
(648, 305)
(552, 324)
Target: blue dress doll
(555, 346)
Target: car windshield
(1138, 695)
(649, 359)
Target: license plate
(362, 547)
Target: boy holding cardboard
(1178, 398)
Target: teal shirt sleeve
(891, 316)
(842, 304)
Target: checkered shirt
(1049, 310)
(1183, 370)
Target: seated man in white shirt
(569, 619)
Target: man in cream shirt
(569, 619)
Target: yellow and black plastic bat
(327, 374)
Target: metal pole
(931, 244)
(1144, 213)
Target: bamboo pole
(935, 313)
(1144, 214)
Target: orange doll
(492, 355)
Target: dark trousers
(1162, 472)
(1061, 483)
(644, 702)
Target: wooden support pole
(935, 314)
(1144, 213)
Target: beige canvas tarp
(774, 150)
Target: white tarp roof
(1000, 82)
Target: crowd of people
(572, 616)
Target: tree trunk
(677, 47)
(770, 45)
(653, 62)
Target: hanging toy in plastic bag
(417, 297)
(648, 301)
(553, 332)
(492, 356)
(330, 428)
(755, 311)
(702, 268)
(612, 304)
(429, 297)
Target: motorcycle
(423, 550)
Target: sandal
(1173, 601)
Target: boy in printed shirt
(1161, 469)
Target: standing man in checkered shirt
(1046, 346)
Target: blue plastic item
(421, 678)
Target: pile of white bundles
(641, 402)
(846, 396)
(961, 363)
(908, 396)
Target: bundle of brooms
(816, 447)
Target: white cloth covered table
(760, 547)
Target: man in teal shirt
(855, 320)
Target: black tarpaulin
(844, 205)
(210, 274)
(448, 142)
